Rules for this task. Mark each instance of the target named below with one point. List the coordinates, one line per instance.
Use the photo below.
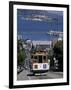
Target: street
(26, 75)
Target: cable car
(40, 62)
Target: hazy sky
(31, 21)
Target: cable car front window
(44, 59)
(35, 60)
(40, 59)
(35, 57)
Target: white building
(42, 44)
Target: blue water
(25, 27)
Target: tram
(40, 62)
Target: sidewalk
(60, 73)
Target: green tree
(20, 52)
(50, 56)
(58, 53)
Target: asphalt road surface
(26, 75)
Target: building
(44, 45)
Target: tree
(50, 56)
(58, 53)
(20, 52)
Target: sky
(33, 24)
